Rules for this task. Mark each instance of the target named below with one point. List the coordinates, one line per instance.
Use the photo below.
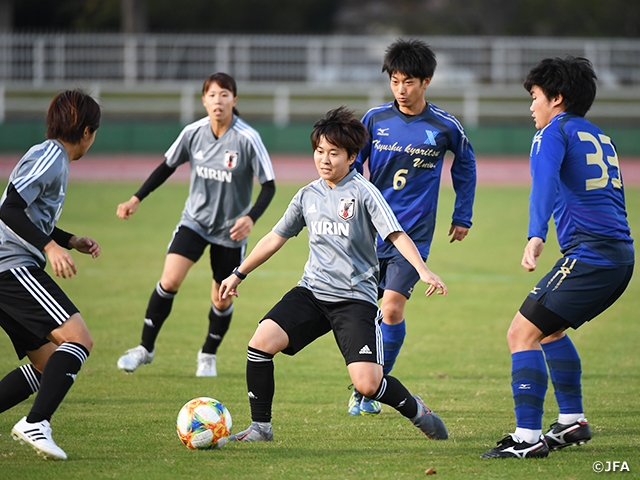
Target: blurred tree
(582, 18)
(563, 18)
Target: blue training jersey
(406, 154)
(576, 177)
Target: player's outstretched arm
(408, 249)
(531, 253)
(128, 208)
(263, 251)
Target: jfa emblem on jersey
(230, 159)
(346, 208)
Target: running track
(291, 168)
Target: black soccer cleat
(512, 446)
(560, 436)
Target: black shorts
(573, 293)
(223, 260)
(397, 274)
(355, 325)
(32, 305)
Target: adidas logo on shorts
(365, 350)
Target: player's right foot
(257, 432)
(560, 436)
(133, 358)
(513, 446)
(38, 436)
(428, 422)
(354, 403)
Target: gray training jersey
(222, 171)
(342, 224)
(41, 178)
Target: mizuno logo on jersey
(383, 132)
(346, 208)
(329, 228)
(431, 137)
(230, 159)
(213, 174)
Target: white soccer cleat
(206, 365)
(133, 358)
(38, 436)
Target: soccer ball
(203, 423)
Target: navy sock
(260, 384)
(393, 338)
(158, 310)
(18, 385)
(57, 378)
(529, 385)
(565, 370)
(218, 325)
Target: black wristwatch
(239, 274)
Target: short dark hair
(224, 80)
(341, 128)
(413, 58)
(69, 113)
(571, 77)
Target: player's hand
(128, 208)
(242, 228)
(456, 232)
(229, 287)
(86, 245)
(436, 285)
(61, 262)
(531, 253)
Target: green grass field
(121, 426)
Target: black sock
(18, 385)
(260, 384)
(393, 393)
(158, 310)
(218, 326)
(57, 378)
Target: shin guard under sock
(218, 325)
(18, 385)
(57, 378)
(260, 384)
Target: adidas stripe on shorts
(31, 306)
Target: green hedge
(138, 137)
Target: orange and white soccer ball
(203, 423)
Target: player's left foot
(560, 436)
(513, 446)
(206, 365)
(428, 422)
(257, 432)
(369, 406)
(38, 436)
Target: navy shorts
(223, 260)
(355, 324)
(573, 293)
(397, 274)
(32, 305)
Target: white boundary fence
(284, 78)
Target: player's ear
(352, 158)
(426, 82)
